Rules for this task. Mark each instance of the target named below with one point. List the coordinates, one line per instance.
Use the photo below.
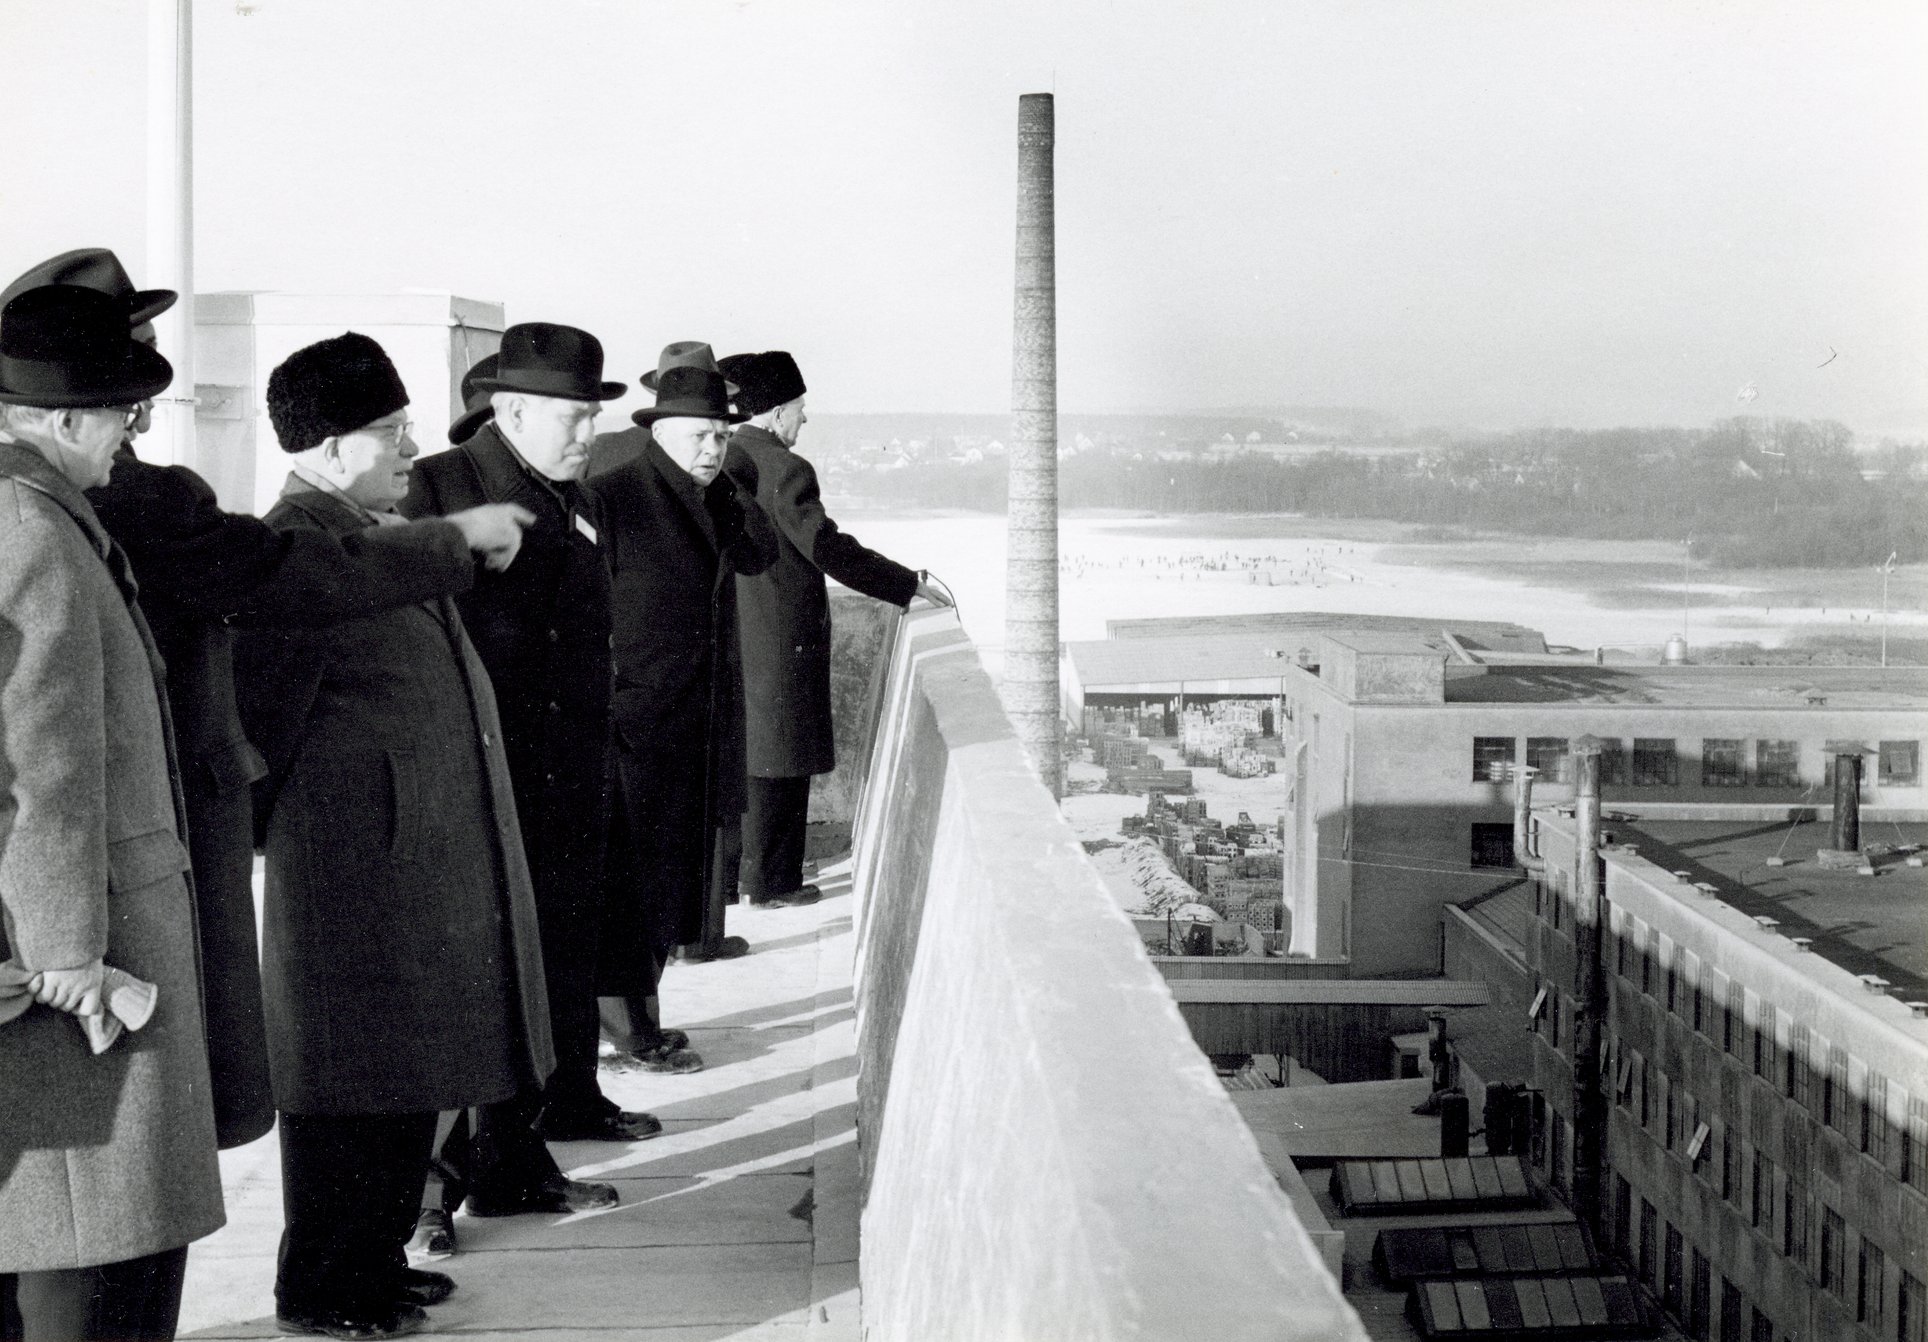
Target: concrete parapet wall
(1046, 1154)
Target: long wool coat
(785, 612)
(674, 551)
(400, 962)
(112, 1157)
(198, 567)
(542, 628)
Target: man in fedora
(107, 1162)
(199, 568)
(679, 530)
(785, 618)
(403, 969)
(542, 627)
(612, 450)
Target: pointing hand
(494, 531)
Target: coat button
(487, 740)
(553, 636)
(554, 707)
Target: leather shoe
(729, 948)
(609, 1125)
(419, 1287)
(556, 1195)
(434, 1234)
(808, 894)
(664, 1058)
(399, 1321)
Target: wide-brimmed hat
(684, 354)
(544, 359)
(690, 393)
(477, 411)
(98, 269)
(765, 381)
(332, 387)
(65, 347)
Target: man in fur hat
(403, 970)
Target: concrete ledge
(1045, 1152)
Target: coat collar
(758, 438)
(330, 511)
(505, 475)
(22, 463)
(682, 488)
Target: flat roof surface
(1864, 924)
(1357, 1120)
(1475, 634)
(1792, 687)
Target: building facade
(1764, 1168)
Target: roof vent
(1683, 876)
(1801, 943)
(1874, 983)
(1919, 1008)
(1766, 923)
(1707, 889)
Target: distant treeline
(1750, 493)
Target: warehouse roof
(1476, 635)
(1818, 687)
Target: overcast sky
(1497, 214)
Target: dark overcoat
(542, 627)
(674, 551)
(198, 567)
(401, 961)
(785, 611)
(102, 1158)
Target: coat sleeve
(787, 490)
(184, 547)
(53, 724)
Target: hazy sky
(1453, 212)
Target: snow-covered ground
(1118, 568)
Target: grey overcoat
(112, 1157)
(400, 962)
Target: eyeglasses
(393, 434)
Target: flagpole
(1886, 569)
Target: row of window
(1655, 761)
(1682, 1277)
(1817, 1082)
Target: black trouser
(136, 1300)
(351, 1185)
(493, 1149)
(774, 827)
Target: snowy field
(1581, 594)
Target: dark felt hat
(544, 359)
(98, 269)
(690, 393)
(332, 387)
(477, 411)
(767, 380)
(683, 354)
(65, 347)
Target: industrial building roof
(1692, 686)
(1863, 924)
(1169, 661)
(1493, 635)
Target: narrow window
(1874, 1119)
(1797, 1075)
(1700, 1304)
(1613, 764)
(1492, 845)
(1911, 1311)
(1649, 1245)
(1794, 1222)
(1868, 1288)
(1760, 1203)
(1730, 1167)
(1670, 1291)
(1834, 1250)
(1735, 1030)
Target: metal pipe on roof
(1525, 856)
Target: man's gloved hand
(931, 592)
(75, 991)
(494, 531)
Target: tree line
(1744, 492)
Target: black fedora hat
(98, 269)
(477, 411)
(684, 354)
(690, 393)
(64, 347)
(544, 359)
